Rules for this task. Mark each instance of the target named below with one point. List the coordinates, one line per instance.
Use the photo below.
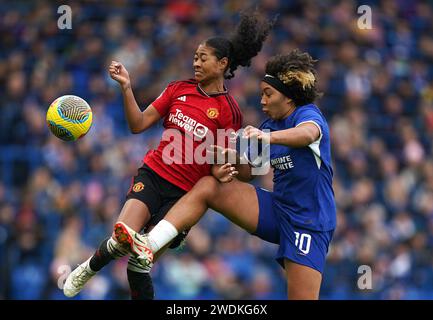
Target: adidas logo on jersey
(182, 98)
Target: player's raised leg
(237, 200)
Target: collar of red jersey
(211, 94)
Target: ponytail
(244, 44)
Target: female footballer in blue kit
(300, 213)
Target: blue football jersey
(303, 176)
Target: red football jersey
(195, 116)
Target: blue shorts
(303, 246)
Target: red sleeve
(232, 118)
(163, 102)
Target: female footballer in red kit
(195, 108)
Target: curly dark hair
(296, 71)
(244, 44)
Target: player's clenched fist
(119, 73)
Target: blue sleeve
(309, 115)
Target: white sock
(162, 234)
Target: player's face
(274, 104)
(206, 65)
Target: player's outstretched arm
(300, 136)
(297, 137)
(138, 120)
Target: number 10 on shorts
(303, 242)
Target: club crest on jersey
(212, 113)
(138, 187)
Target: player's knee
(207, 187)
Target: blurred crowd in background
(59, 200)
